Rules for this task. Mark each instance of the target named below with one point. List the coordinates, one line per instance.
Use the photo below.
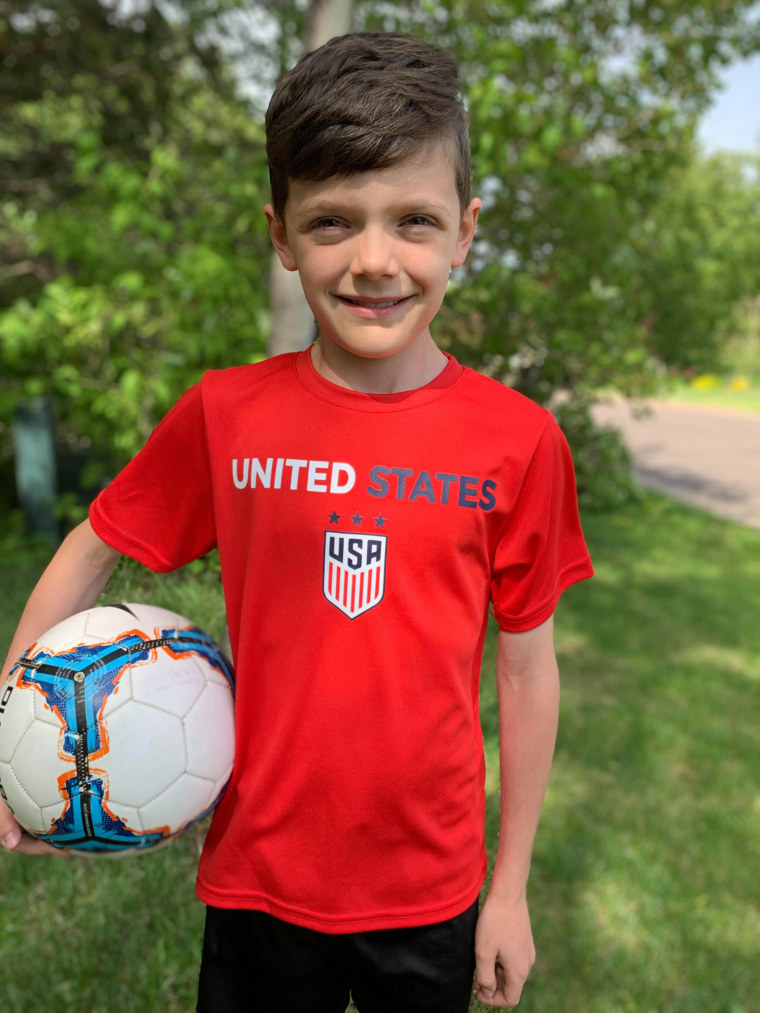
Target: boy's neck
(410, 369)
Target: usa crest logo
(353, 573)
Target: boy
(368, 496)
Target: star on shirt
(379, 521)
(356, 519)
(334, 517)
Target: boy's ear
(466, 232)
(279, 238)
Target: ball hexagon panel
(110, 622)
(221, 784)
(25, 809)
(146, 754)
(212, 675)
(128, 814)
(168, 684)
(17, 717)
(37, 765)
(122, 694)
(210, 733)
(64, 638)
(42, 710)
(152, 618)
(105, 622)
(48, 816)
(179, 804)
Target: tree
(135, 253)
(292, 320)
(580, 115)
(700, 254)
(131, 224)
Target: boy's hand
(14, 838)
(504, 952)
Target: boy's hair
(361, 102)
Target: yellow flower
(707, 381)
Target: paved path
(708, 457)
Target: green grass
(722, 395)
(104, 934)
(644, 891)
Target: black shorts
(256, 963)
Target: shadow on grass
(644, 888)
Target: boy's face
(374, 250)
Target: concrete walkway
(707, 457)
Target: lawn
(716, 393)
(644, 891)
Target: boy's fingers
(505, 994)
(11, 839)
(10, 831)
(485, 976)
(15, 839)
(31, 846)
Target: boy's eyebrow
(317, 207)
(323, 206)
(424, 204)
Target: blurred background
(616, 146)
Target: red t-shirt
(361, 538)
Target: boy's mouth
(374, 304)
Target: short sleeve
(541, 549)
(159, 510)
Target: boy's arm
(528, 691)
(76, 575)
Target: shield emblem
(353, 573)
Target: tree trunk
(325, 20)
(292, 321)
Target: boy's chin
(372, 349)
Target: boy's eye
(419, 220)
(325, 223)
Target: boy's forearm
(528, 690)
(72, 582)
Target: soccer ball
(116, 729)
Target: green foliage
(136, 228)
(700, 256)
(603, 465)
(580, 116)
(607, 251)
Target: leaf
(132, 384)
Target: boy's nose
(373, 256)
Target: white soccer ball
(116, 729)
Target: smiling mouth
(374, 304)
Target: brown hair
(361, 102)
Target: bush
(603, 464)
